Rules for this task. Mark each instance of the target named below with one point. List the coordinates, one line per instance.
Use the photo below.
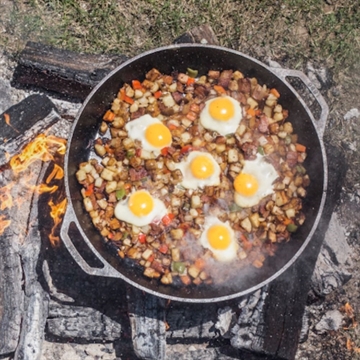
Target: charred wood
(80, 323)
(147, 320)
(203, 34)
(67, 74)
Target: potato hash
(193, 172)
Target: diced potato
(252, 102)
(233, 156)
(100, 149)
(193, 271)
(272, 236)
(168, 100)
(88, 204)
(196, 202)
(146, 254)
(108, 175)
(80, 175)
(246, 224)
(175, 253)
(254, 219)
(134, 107)
(128, 143)
(103, 203)
(151, 273)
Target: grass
(290, 29)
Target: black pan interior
(202, 58)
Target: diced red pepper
(142, 238)
(157, 94)
(136, 84)
(151, 258)
(164, 151)
(219, 89)
(275, 92)
(138, 152)
(167, 219)
(163, 248)
(190, 81)
(109, 116)
(172, 127)
(89, 190)
(191, 115)
(125, 98)
(108, 149)
(195, 108)
(186, 149)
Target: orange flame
(41, 148)
(57, 173)
(57, 212)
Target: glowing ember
(6, 200)
(42, 148)
(57, 211)
(3, 224)
(7, 120)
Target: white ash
(331, 269)
(352, 114)
(332, 320)
(226, 318)
(59, 351)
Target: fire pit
(46, 296)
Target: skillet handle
(106, 270)
(320, 123)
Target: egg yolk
(221, 109)
(246, 184)
(219, 237)
(202, 167)
(141, 203)
(158, 135)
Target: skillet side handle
(320, 123)
(106, 270)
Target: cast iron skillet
(77, 227)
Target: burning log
(22, 122)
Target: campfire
(45, 296)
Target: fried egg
(254, 182)
(222, 114)
(219, 237)
(199, 169)
(140, 209)
(151, 132)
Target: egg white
(265, 175)
(123, 213)
(136, 131)
(222, 127)
(191, 182)
(226, 255)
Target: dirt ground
(342, 93)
